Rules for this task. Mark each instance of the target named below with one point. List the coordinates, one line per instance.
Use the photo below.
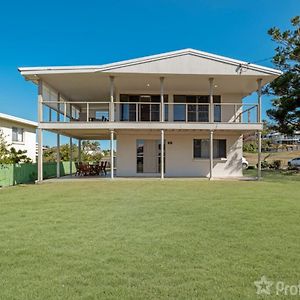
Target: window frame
(16, 131)
(217, 157)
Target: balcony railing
(80, 111)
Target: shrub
(250, 147)
(251, 167)
(264, 165)
(276, 164)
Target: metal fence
(27, 173)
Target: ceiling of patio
(84, 134)
(104, 134)
(96, 86)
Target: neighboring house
(37, 149)
(283, 139)
(185, 106)
(19, 134)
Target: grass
(146, 239)
(284, 156)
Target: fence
(27, 173)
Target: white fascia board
(152, 125)
(110, 67)
(18, 120)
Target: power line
(261, 60)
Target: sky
(45, 33)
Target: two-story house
(176, 114)
(19, 134)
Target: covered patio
(100, 168)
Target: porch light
(148, 84)
(216, 85)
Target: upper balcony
(73, 96)
(103, 114)
(100, 112)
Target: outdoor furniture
(77, 165)
(83, 169)
(104, 168)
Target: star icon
(263, 286)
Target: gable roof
(128, 64)
(18, 120)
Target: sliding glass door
(145, 108)
(190, 108)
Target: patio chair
(104, 167)
(77, 166)
(85, 170)
(101, 166)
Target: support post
(58, 156)
(259, 155)
(162, 154)
(111, 104)
(111, 154)
(211, 154)
(40, 132)
(40, 155)
(58, 139)
(259, 86)
(162, 105)
(79, 150)
(211, 100)
(71, 155)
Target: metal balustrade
(83, 111)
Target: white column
(162, 154)
(259, 155)
(40, 132)
(211, 100)
(162, 106)
(40, 102)
(58, 156)
(58, 139)
(111, 105)
(211, 154)
(259, 86)
(71, 155)
(58, 108)
(171, 107)
(79, 150)
(111, 154)
(40, 155)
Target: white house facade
(19, 134)
(184, 106)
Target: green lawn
(147, 239)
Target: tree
(11, 156)
(3, 149)
(90, 152)
(18, 156)
(286, 107)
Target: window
(201, 148)
(141, 107)
(17, 134)
(195, 108)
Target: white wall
(29, 143)
(179, 154)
